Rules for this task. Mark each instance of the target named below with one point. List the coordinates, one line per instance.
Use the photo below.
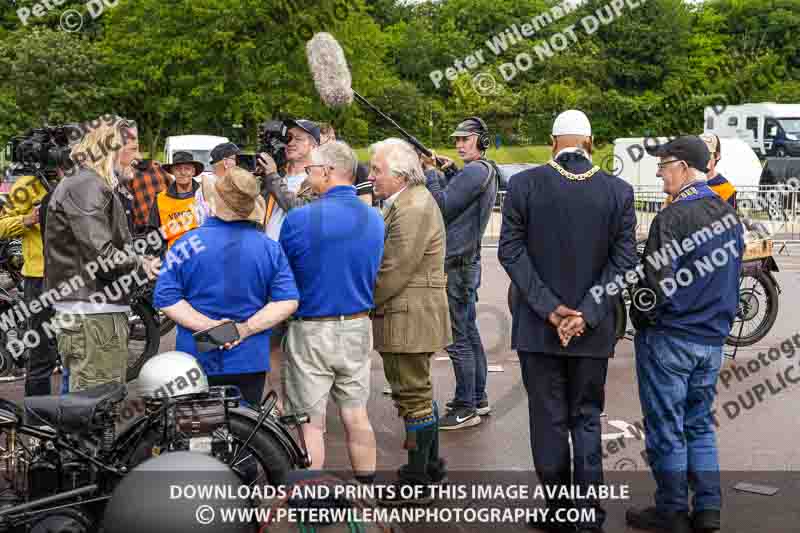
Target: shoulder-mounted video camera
(273, 137)
(43, 149)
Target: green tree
(49, 76)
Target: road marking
(629, 431)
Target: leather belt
(331, 318)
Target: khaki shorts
(326, 358)
(93, 347)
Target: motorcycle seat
(76, 411)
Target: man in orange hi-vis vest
(174, 208)
(716, 181)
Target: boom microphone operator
(332, 78)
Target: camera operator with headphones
(466, 198)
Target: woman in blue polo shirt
(228, 269)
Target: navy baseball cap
(312, 128)
(222, 151)
(470, 126)
(689, 148)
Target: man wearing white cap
(567, 227)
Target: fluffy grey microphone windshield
(330, 71)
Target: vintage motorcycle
(62, 457)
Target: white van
(199, 145)
(768, 128)
(739, 164)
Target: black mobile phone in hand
(216, 337)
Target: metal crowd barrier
(775, 206)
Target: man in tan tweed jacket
(411, 319)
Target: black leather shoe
(706, 521)
(651, 519)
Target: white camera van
(769, 129)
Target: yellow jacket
(26, 193)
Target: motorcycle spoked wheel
(263, 462)
(64, 521)
(756, 312)
(143, 338)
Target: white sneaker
(387, 389)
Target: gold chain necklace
(574, 177)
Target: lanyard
(694, 191)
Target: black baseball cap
(689, 148)
(312, 128)
(222, 151)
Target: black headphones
(483, 137)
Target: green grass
(511, 154)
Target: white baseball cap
(572, 122)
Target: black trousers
(250, 385)
(42, 357)
(566, 396)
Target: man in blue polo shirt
(334, 246)
(228, 269)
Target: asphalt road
(757, 442)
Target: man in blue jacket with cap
(691, 271)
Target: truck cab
(783, 135)
(769, 129)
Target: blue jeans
(466, 352)
(677, 387)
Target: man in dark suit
(568, 228)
